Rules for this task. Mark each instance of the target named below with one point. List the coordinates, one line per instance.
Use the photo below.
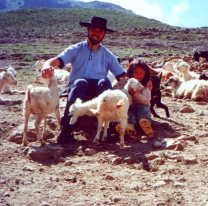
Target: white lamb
(171, 66)
(111, 105)
(186, 74)
(7, 88)
(41, 101)
(133, 84)
(195, 89)
(61, 74)
(6, 78)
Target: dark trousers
(86, 89)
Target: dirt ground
(173, 173)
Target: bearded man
(90, 64)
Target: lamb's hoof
(42, 142)
(104, 139)
(24, 143)
(95, 142)
(122, 145)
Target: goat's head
(173, 81)
(13, 71)
(9, 78)
(38, 65)
(183, 67)
(74, 111)
(134, 84)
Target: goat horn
(195, 48)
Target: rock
(157, 144)
(89, 152)
(175, 145)
(151, 156)
(109, 177)
(172, 155)
(128, 160)
(45, 153)
(159, 184)
(190, 160)
(187, 109)
(187, 137)
(17, 135)
(179, 184)
(117, 160)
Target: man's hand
(47, 72)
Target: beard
(95, 42)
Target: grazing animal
(135, 85)
(184, 69)
(111, 105)
(6, 78)
(41, 101)
(156, 96)
(7, 88)
(202, 54)
(194, 89)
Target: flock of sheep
(112, 105)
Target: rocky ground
(169, 169)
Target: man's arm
(48, 67)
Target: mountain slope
(8, 5)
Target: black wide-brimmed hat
(97, 22)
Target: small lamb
(6, 78)
(135, 85)
(41, 101)
(111, 105)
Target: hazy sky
(183, 13)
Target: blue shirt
(89, 64)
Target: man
(90, 62)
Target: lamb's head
(13, 71)
(74, 111)
(46, 76)
(134, 84)
(173, 81)
(38, 65)
(183, 67)
(8, 77)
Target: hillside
(8, 5)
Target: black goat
(204, 75)
(156, 96)
(203, 54)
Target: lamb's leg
(44, 128)
(123, 123)
(100, 125)
(57, 113)
(26, 117)
(104, 137)
(37, 127)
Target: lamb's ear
(78, 100)
(73, 119)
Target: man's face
(95, 35)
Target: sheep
(194, 89)
(41, 101)
(7, 89)
(184, 69)
(111, 105)
(172, 66)
(61, 74)
(6, 78)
